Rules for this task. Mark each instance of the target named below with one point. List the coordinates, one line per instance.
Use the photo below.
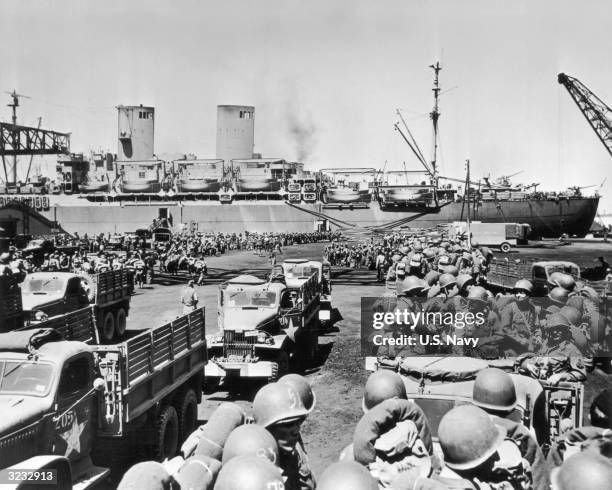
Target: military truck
(70, 405)
(503, 274)
(438, 384)
(296, 271)
(56, 293)
(263, 327)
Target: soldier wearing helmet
(558, 359)
(584, 471)
(279, 408)
(416, 265)
(346, 475)
(471, 443)
(251, 473)
(495, 393)
(250, 439)
(520, 320)
(596, 437)
(488, 332)
(558, 296)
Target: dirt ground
(339, 378)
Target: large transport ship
(240, 190)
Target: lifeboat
(257, 185)
(198, 185)
(347, 195)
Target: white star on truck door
(72, 436)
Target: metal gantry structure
(596, 112)
(17, 140)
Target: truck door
(73, 299)
(75, 419)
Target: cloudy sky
(326, 77)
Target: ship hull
(198, 185)
(547, 218)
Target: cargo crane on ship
(596, 112)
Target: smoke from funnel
(302, 128)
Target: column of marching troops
(481, 445)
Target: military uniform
(296, 469)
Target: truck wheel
(280, 367)
(505, 247)
(166, 436)
(120, 323)
(187, 414)
(108, 327)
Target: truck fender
(47, 462)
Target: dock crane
(596, 112)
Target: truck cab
(541, 272)
(297, 271)
(262, 326)
(50, 404)
(53, 293)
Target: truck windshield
(241, 299)
(50, 285)
(299, 271)
(25, 378)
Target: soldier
(585, 471)
(250, 473)
(495, 393)
(189, 298)
(278, 407)
(346, 475)
(596, 436)
(520, 319)
(250, 439)
(471, 444)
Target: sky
(325, 77)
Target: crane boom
(596, 112)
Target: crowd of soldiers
(481, 445)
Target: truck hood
(33, 302)
(19, 410)
(238, 319)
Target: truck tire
(505, 247)
(120, 323)
(280, 367)
(107, 329)
(187, 409)
(166, 434)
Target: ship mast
(435, 115)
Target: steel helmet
(396, 258)
(468, 437)
(576, 302)
(302, 386)
(415, 260)
(149, 474)
(572, 314)
(404, 249)
(445, 245)
(250, 439)
(558, 295)
(447, 280)
(197, 473)
(411, 284)
(382, 385)
(417, 247)
(562, 280)
(583, 471)
(475, 244)
(429, 253)
(464, 280)
(249, 473)
(346, 475)
(523, 285)
(557, 320)
(452, 270)
(432, 277)
(444, 260)
(400, 269)
(277, 402)
(478, 293)
(494, 390)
